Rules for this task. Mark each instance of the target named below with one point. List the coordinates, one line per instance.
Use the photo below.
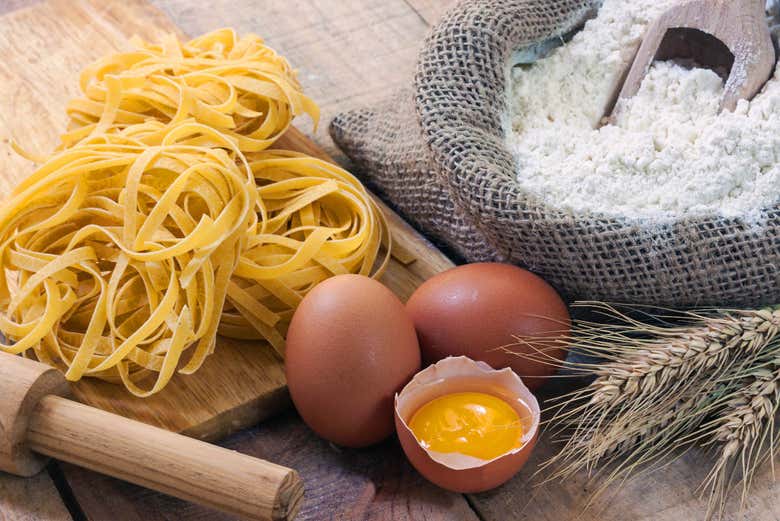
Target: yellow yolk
(475, 424)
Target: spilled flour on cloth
(668, 154)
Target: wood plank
(30, 499)
(350, 53)
(371, 484)
(666, 495)
(430, 10)
(38, 78)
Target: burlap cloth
(438, 153)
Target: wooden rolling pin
(36, 420)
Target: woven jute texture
(438, 153)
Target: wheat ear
(659, 388)
(744, 431)
(671, 358)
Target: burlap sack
(438, 153)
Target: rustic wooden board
(243, 382)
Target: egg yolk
(475, 424)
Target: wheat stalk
(671, 356)
(744, 429)
(616, 439)
(663, 388)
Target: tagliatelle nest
(120, 252)
(318, 221)
(117, 255)
(237, 86)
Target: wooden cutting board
(43, 49)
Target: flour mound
(669, 154)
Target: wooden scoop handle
(740, 25)
(164, 461)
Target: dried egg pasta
(120, 252)
(117, 255)
(316, 221)
(237, 86)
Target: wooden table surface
(351, 53)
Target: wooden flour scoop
(729, 36)
(36, 420)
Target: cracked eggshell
(459, 472)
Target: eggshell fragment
(459, 472)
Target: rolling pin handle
(23, 383)
(35, 419)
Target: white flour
(669, 154)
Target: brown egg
(350, 347)
(476, 309)
(459, 472)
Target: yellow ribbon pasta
(118, 255)
(163, 218)
(239, 87)
(315, 221)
